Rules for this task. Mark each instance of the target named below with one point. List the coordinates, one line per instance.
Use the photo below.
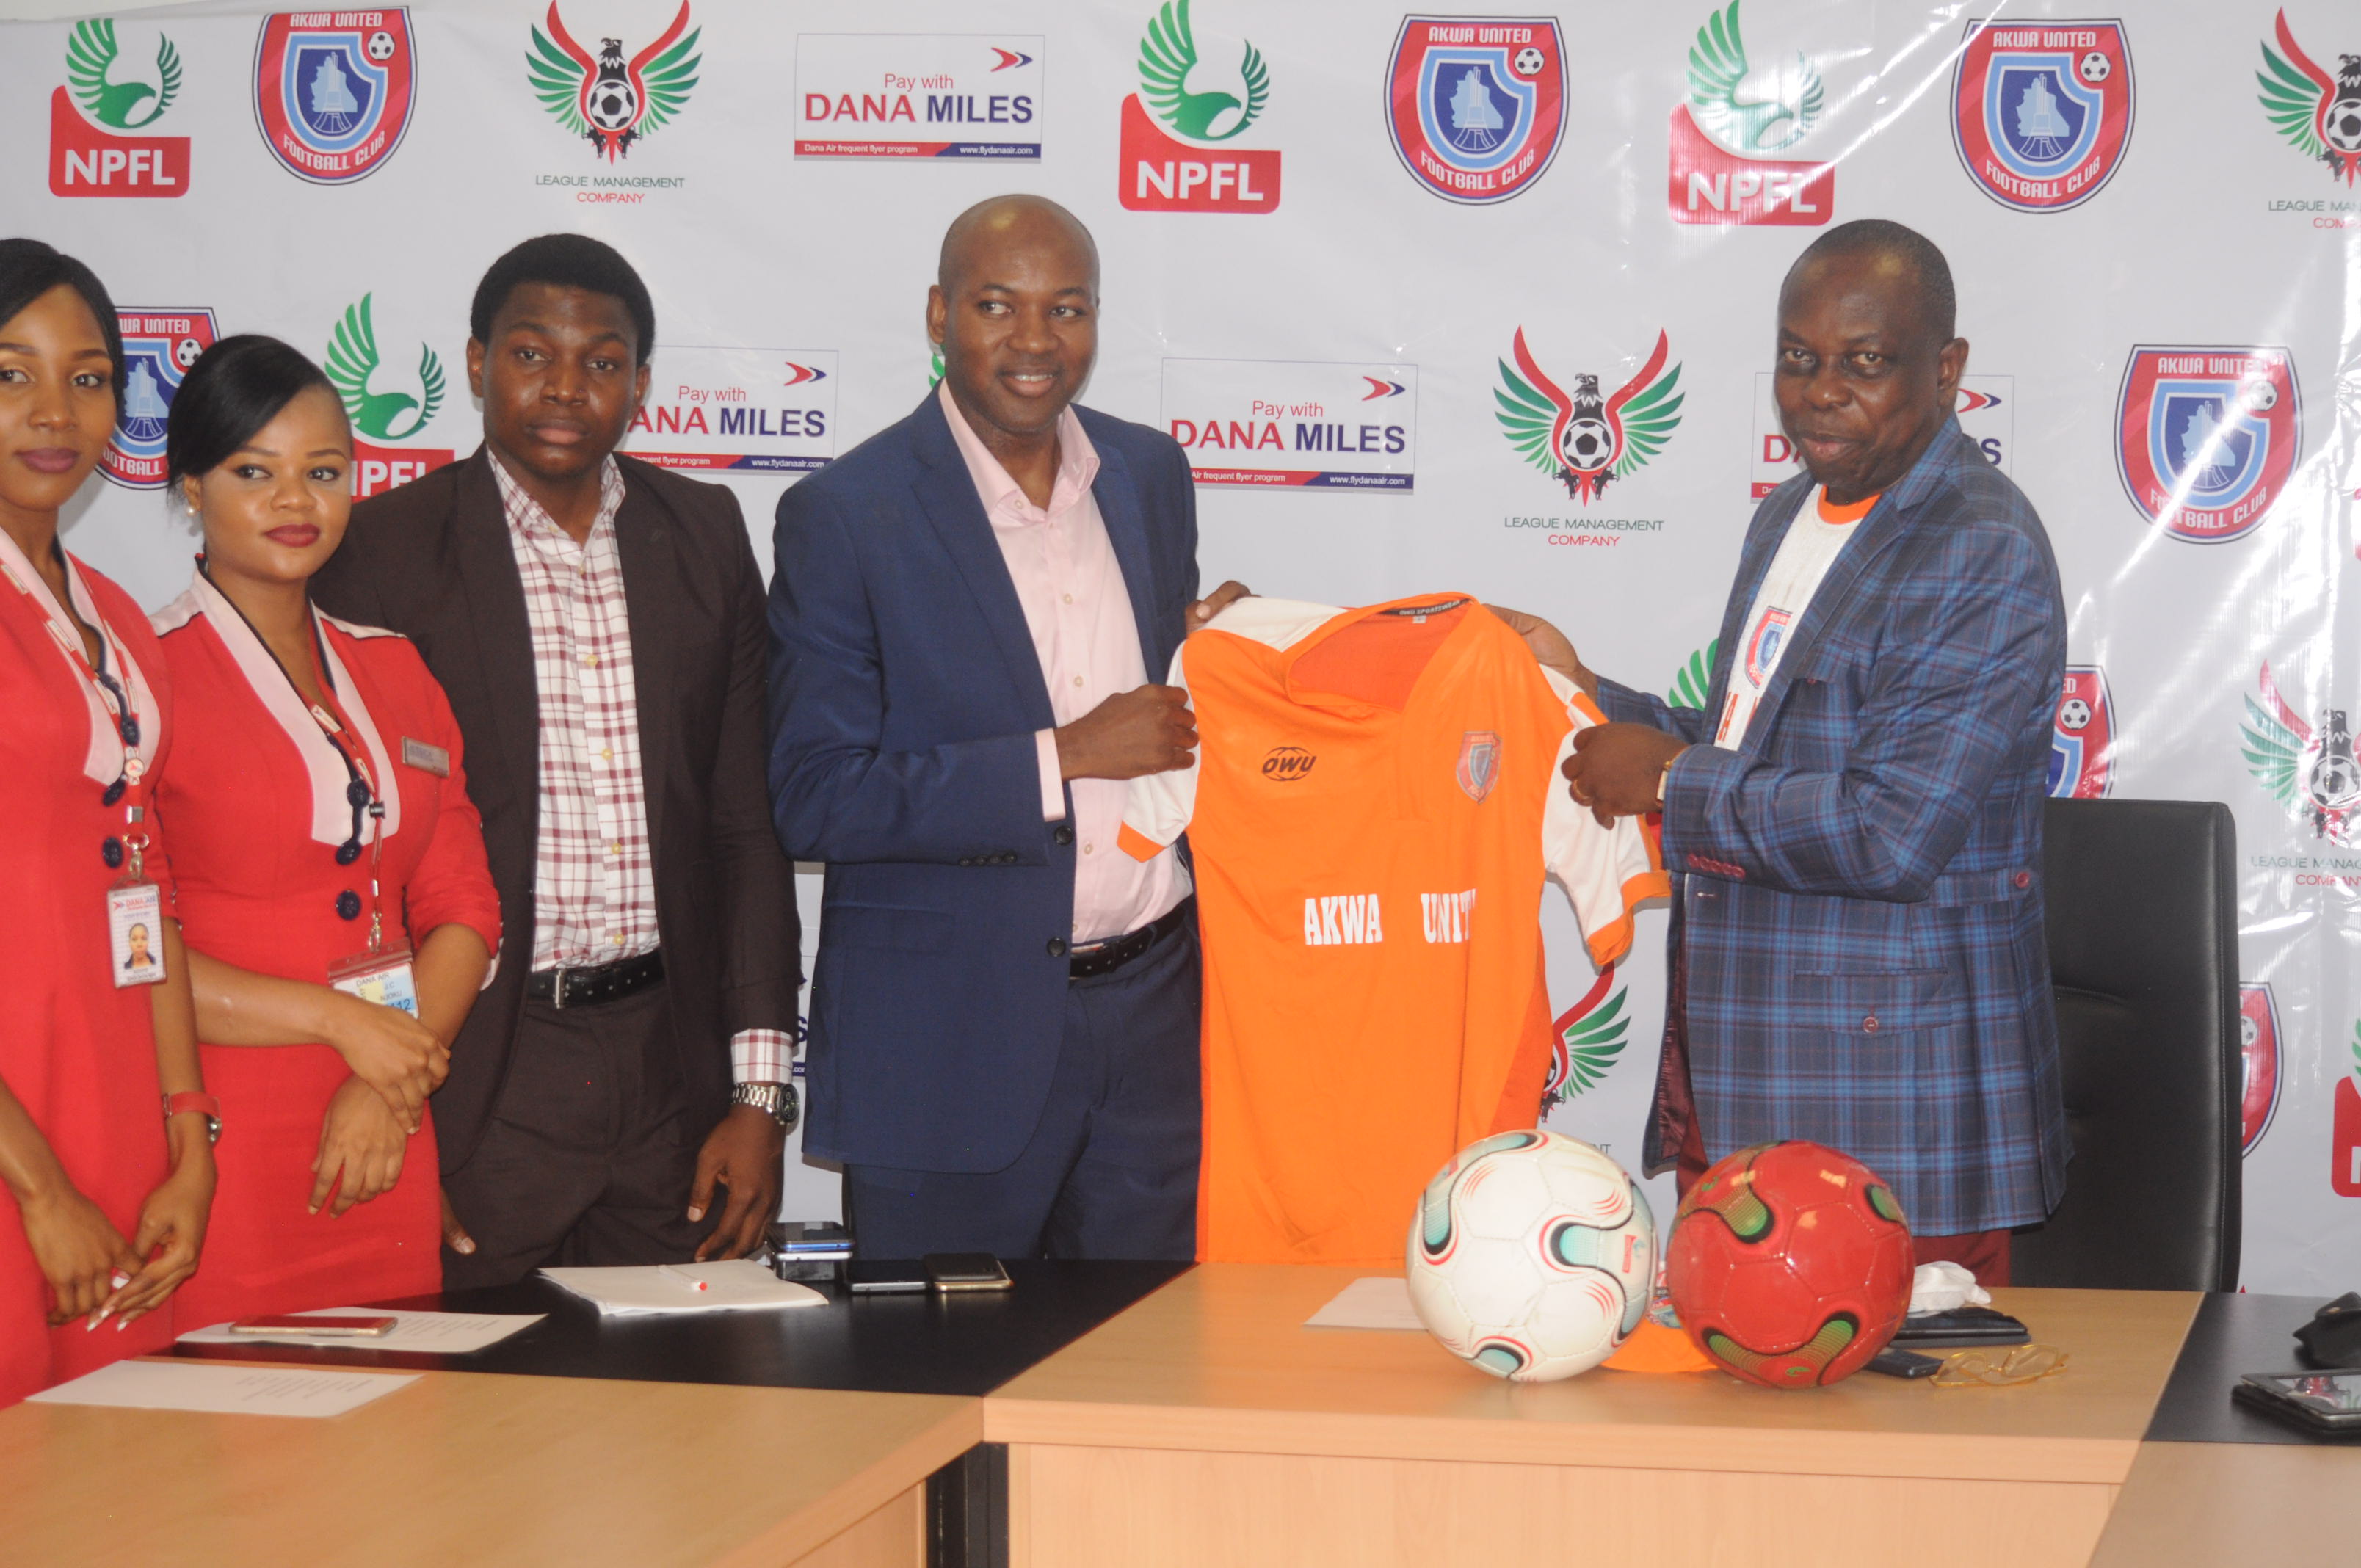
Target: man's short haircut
(565, 261)
(31, 268)
(965, 223)
(1881, 236)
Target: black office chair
(2142, 902)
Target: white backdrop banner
(1436, 302)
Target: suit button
(1064, 835)
(1870, 1024)
(1057, 947)
(2025, 879)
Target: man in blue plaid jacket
(1854, 819)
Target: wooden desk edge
(1778, 1451)
(845, 1506)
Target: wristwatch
(204, 1105)
(775, 1100)
(1665, 778)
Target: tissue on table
(1945, 1287)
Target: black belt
(597, 985)
(1105, 958)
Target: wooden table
(466, 1468)
(2204, 1505)
(1206, 1425)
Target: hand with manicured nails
(742, 1154)
(392, 1052)
(1149, 730)
(360, 1141)
(171, 1230)
(78, 1250)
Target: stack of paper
(437, 1333)
(231, 1390)
(736, 1284)
(1374, 1303)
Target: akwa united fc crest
(1582, 439)
(333, 91)
(610, 101)
(2258, 1055)
(2319, 115)
(2207, 437)
(2082, 737)
(1476, 105)
(2041, 113)
(1586, 1040)
(1479, 763)
(158, 347)
(2315, 774)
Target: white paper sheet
(229, 1390)
(1378, 1303)
(436, 1333)
(732, 1285)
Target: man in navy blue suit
(967, 611)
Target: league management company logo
(158, 347)
(1726, 137)
(384, 408)
(2041, 113)
(2207, 437)
(1580, 438)
(2082, 737)
(333, 91)
(1586, 1040)
(1986, 409)
(748, 410)
(609, 102)
(918, 95)
(2314, 773)
(1305, 425)
(2259, 1057)
(1476, 105)
(1204, 104)
(2318, 114)
(106, 94)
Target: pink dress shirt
(1079, 612)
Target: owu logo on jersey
(2258, 1058)
(158, 347)
(2319, 115)
(1580, 438)
(2315, 774)
(333, 91)
(1736, 117)
(1476, 105)
(1585, 1041)
(2041, 113)
(2208, 437)
(606, 100)
(2082, 737)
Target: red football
(1790, 1265)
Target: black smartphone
(1903, 1363)
(884, 1276)
(950, 1271)
(2326, 1404)
(1961, 1326)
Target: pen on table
(679, 1277)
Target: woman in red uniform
(108, 1181)
(339, 914)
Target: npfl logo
(1737, 116)
(115, 94)
(1156, 173)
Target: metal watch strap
(776, 1101)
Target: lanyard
(130, 784)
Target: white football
(1532, 1256)
(1530, 60)
(2097, 68)
(2074, 714)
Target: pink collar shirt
(1079, 611)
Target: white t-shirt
(1814, 539)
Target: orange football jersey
(1375, 806)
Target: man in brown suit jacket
(599, 626)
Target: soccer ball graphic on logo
(185, 352)
(1587, 444)
(2096, 67)
(380, 45)
(2074, 714)
(2345, 125)
(1789, 1264)
(1528, 61)
(1533, 1255)
(613, 104)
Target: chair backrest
(2142, 905)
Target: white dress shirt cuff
(1053, 783)
(762, 1055)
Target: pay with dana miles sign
(751, 409)
(1292, 422)
(973, 95)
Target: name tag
(424, 757)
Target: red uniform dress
(258, 813)
(76, 1050)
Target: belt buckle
(557, 989)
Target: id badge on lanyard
(384, 978)
(379, 975)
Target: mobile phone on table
(328, 1325)
(2326, 1404)
(949, 1271)
(1897, 1362)
(1961, 1326)
(884, 1276)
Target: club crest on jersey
(1585, 1041)
(608, 100)
(333, 91)
(2318, 114)
(2207, 437)
(2082, 737)
(1476, 105)
(1582, 439)
(2314, 773)
(1479, 763)
(2259, 1055)
(1763, 648)
(2041, 113)
(158, 347)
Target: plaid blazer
(1860, 880)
